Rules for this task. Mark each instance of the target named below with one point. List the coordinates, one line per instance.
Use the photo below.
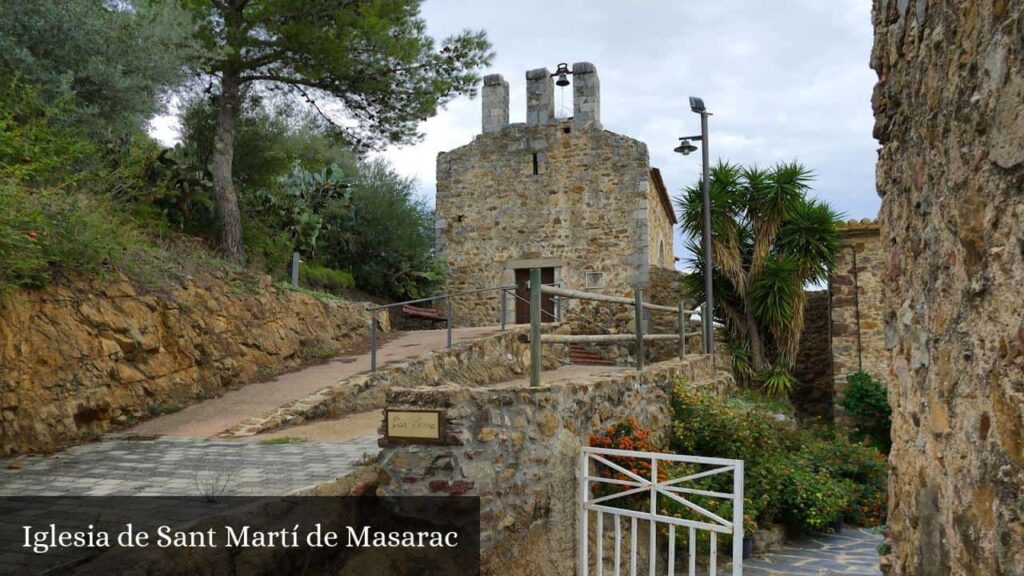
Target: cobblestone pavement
(182, 467)
(853, 552)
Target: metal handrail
(597, 297)
(638, 303)
(447, 298)
(440, 297)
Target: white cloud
(785, 80)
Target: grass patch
(267, 373)
(320, 353)
(282, 440)
(314, 293)
(325, 279)
(161, 408)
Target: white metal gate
(598, 468)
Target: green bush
(803, 478)
(866, 402)
(48, 232)
(813, 499)
(325, 279)
(36, 147)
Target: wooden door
(547, 276)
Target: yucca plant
(769, 240)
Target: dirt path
(213, 416)
(335, 430)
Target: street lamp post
(685, 148)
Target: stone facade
(550, 193)
(949, 113)
(858, 336)
(812, 395)
(79, 358)
(518, 447)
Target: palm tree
(769, 240)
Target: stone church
(561, 194)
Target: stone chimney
(540, 97)
(586, 96)
(494, 98)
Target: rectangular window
(536, 166)
(594, 280)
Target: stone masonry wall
(812, 395)
(564, 194)
(949, 113)
(575, 214)
(517, 448)
(660, 249)
(79, 358)
(858, 336)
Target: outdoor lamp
(685, 147)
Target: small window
(661, 252)
(536, 165)
(566, 129)
(594, 280)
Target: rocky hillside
(78, 358)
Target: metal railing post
(296, 259)
(373, 341)
(449, 322)
(703, 326)
(535, 312)
(682, 330)
(638, 309)
(503, 305)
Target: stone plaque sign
(417, 425)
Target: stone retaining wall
(79, 358)
(478, 362)
(518, 447)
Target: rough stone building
(858, 337)
(949, 113)
(580, 202)
(812, 395)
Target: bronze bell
(563, 75)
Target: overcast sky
(785, 79)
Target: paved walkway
(854, 552)
(183, 467)
(216, 415)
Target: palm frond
(811, 236)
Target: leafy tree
(769, 239)
(388, 240)
(373, 58)
(35, 146)
(271, 138)
(112, 60)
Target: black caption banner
(244, 536)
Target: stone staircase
(580, 355)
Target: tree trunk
(754, 334)
(223, 157)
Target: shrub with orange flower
(628, 435)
